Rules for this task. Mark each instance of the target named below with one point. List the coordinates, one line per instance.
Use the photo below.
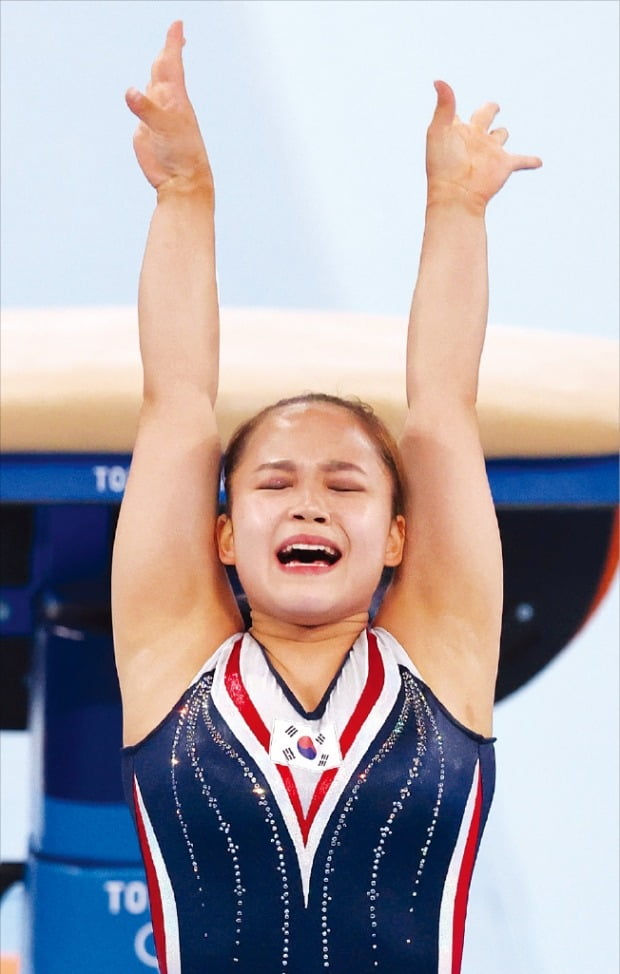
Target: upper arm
(171, 601)
(445, 603)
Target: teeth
(307, 554)
(308, 547)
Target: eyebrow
(329, 466)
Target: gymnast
(309, 792)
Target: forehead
(311, 431)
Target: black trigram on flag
(298, 745)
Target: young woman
(310, 794)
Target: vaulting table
(70, 395)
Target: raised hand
(167, 142)
(467, 161)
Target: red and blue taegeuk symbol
(305, 746)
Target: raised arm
(171, 602)
(446, 601)
(178, 306)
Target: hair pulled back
(362, 412)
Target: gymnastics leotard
(278, 841)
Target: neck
(307, 657)
(274, 633)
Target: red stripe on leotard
(464, 880)
(369, 696)
(157, 912)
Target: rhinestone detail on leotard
(188, 718)
(260, 793)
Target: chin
(314, 613)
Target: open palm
(167, 142)
(468, 160)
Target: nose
(308, 507)
(310, 515)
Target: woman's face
(311, 525)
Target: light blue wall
(314, 114)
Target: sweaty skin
(171, 600)
(255, 854)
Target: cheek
(377, 511)
(372, 526)
(251, 525)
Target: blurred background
(314, 114)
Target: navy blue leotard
(278, 841)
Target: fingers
(167, 69)
(168, 65)
(483, 117)
(499, 135)
(141, 106)
(174, 36)
(445, 110)
(525, 162)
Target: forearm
(178, 303)
(466, 166)
(449, 308)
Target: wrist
(197, 187)
(446, 195)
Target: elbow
(430, 418)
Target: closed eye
(346, 488)
(275, 485)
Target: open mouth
(297, 554)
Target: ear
(395, 542)
(225, 539)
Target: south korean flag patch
(299, 746)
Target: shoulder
(391, 647)
(219, 657)
(394, 651)
(144, 728)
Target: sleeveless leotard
(277, 841)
